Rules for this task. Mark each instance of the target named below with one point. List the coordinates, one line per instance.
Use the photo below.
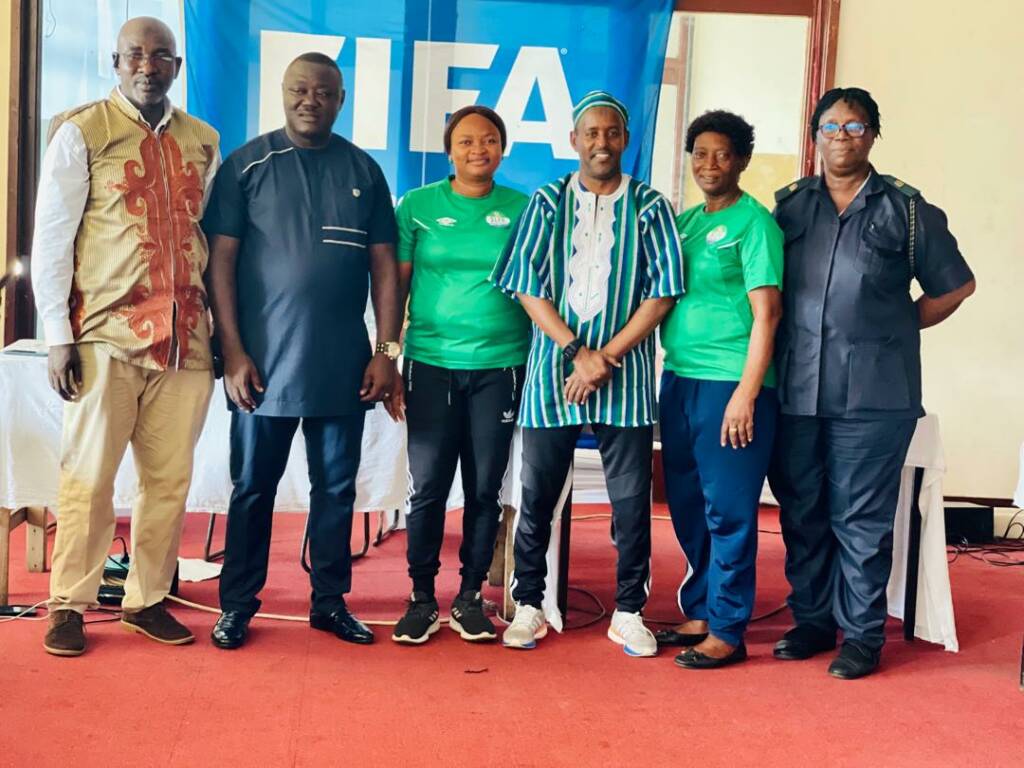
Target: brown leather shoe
(157, 624)
(66, 635)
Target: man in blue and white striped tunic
(596, 263)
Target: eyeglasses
(136, 58)
(854, 129)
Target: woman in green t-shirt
(718, 405)
(465, 352)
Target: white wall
(948, 79)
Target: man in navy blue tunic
(301, 221)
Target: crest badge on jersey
(716, 234)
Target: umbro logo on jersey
(507, 417)
(498, 219)
(446, 221)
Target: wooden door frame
(22, 164)
(820, 65)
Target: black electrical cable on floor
(997, 555)
(660, 622)
(595, 617)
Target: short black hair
(856, 97)
(313, 57)
(739, 131)
(474, 109)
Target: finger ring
(387, 395)
(734, 429)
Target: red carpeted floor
(295, 697)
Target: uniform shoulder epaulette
(902, 186)
(789, 189)
(62, 117)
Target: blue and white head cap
(599, 99)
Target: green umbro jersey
(726, 254)
(457, 317)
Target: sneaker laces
(527, 616)
(630, 626)
(424, 608)
(470, 602)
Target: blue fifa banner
(407, 65)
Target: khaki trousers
(161, 414)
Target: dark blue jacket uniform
(849, 342)
(849, 369)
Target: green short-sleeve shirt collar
(457, 317)
(726, 254)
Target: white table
(933, 617)
(30, 427)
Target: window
(752, 65)
(77, 40)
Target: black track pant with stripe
(452, 415)
(547, 456)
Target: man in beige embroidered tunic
(117, 270)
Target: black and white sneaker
(468, 618)
(420, 620)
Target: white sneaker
(526, 628)
(628, 630)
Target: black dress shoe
(669, 637)
(231, 629)
(343, 624)
(854, 660)
(694, 659)
(803, 642)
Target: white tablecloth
(30, 426)
(934, 620)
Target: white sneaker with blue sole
(628, 630)
(526, 628)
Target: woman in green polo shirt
(465, 351)
(717, 404)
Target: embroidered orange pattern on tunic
(169, 194)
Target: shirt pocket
(793, 232)
(881, 256)
(877, 376)
(731, 284)
(730, 265)
(343, 236)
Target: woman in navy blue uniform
(849, 366)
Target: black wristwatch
(570, 350)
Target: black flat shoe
(231, 630)
(343, 624)
(803, 642)
(854, 660)
(671, 638)
(694, 659)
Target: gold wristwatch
(389, 348)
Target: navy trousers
(626, 458)
(259, 455)
(838, 483)
(713, 495)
